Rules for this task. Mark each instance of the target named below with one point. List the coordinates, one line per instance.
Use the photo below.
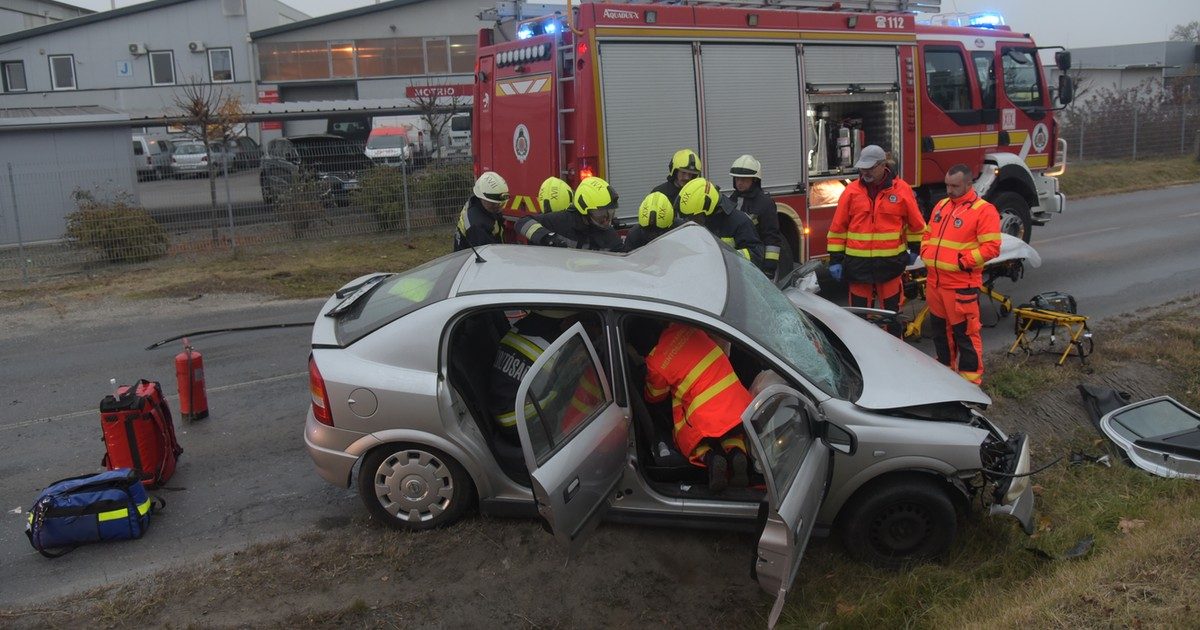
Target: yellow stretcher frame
(913, 328)
(1075, 324)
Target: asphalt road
(244, 475)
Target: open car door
(573, 434)
(785, 431)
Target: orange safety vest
(707, 398)
(875, 228)
(587, 397)
(962, 235)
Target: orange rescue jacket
(963, 234)
(870, 237)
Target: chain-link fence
(58, 219)
(1135, 132)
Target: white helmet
(746, 166)
(491, 187)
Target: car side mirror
(1066, 89)
(839, 438)
(1062, 59)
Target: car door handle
(572, 490)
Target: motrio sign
(439, 91)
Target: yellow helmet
(684, 160)
(656, 211)
(554, 195)
(594, 193)
(698, 196)
(746, 166)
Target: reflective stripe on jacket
(476, 226)
(963, 234)
(707, 399)
(870, 237)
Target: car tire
(900, 521)
(414, 487)
(1014, 214)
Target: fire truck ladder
(565, 75)
(889, 6)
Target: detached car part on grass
(850, 428)
(1159, 435)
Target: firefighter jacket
(736, 230)
(669, 189)
(869, 237)
(476, 226)
(639, 235)
(707, 399)
(758, 205)
(570, 224)
(519, 348)
(963, 234)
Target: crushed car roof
(684, 266)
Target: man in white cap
(876, 233)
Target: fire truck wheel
(410, 486)
(1014, 214)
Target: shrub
(124, 231)
(381, 193)
(443, 188)
(300, 204)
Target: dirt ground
(352, 572)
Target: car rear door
(573, 434)
(784, 430)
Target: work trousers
(954, 323)
(884, 295)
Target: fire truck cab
(613, 89)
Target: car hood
(895, 375)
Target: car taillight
(320, 397)
(204, 159)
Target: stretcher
(1031, 323)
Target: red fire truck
(613, 89)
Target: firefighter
(554, 195)
(589, 226)
(481, 220)
(701, 202)
(707, 402)
(963, 234)
(875, 235)
(749, 197)
(684, 167)
(655, 218)
(524, 342)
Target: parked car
(152, 157)
(190, 158)
(393, 146)
(399, 376)
(332, 161)
(458, 134)
(246, 152)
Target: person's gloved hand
(913, 257)
(835, 272)
(558, 240)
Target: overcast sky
(1071, 23)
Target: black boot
(741, 469)
(718, 471)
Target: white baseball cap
(871, 155)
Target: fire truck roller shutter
(650, 111)
(840, 66)
(752, 105)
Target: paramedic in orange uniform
(963, 234)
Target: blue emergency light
(525, 32)
(987, 20)
(550, 28)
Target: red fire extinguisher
(189, 375)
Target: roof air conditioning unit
(137, 49)
(196, 46)
(233, 7)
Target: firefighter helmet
(491, 187)
(698, 196)
(554, 195)
(746, 166)
(594, 193)
(684, 160)
(656, 211)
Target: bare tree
(1189, 32)
(437, 105)
(209, 115)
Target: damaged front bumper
(1013, 495)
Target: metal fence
(1131, 133)
(60, 219)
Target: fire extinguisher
(189, 376)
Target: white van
(458, 142)
(152, 157)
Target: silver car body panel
(895, 375)
(1153, 461)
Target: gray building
(18, 15)
(1174, 65)
(132, 58)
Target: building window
(293, 61)
(13, 75)
(1021, 81)
(341, 59)
(946, 79)
(437, 59)
(62, 72)
(220, 65)
(162, 68)
(397, 56)
(462, 54)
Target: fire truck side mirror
(1062, 59)
(1066, 89)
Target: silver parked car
(190, 158)
(849, 429)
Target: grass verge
(1092, 179)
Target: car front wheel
(903, 520)
(414, 487)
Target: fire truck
(613, 89)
